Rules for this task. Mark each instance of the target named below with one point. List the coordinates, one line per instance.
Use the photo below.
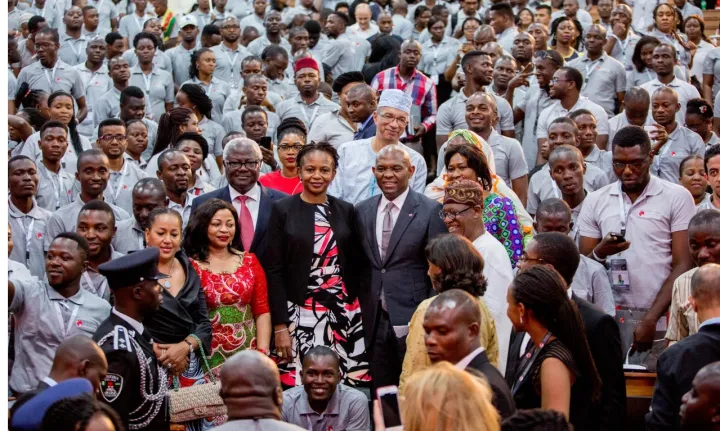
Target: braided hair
(29, 100)
(169, 125)
(291, 125)
(543, 290)
(197, 97)
(72, 126)
(74, 414)
(323, 147)
(194, 59)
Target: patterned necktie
(387, 228)
(247, 231)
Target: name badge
(620, 275)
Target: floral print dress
(233, 302)
(329, 317)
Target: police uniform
(136, 385)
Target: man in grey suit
(394, 229)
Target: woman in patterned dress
(233, 282)
(312, 272)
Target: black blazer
(676, 369)
(267, 197)
(603, 336)
(291, 241)
(502, 397)
(403, 273)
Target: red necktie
(247, 231)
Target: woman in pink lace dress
(233, 282)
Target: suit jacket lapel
(226, 195)
(371, 216)
(263, 218)
(407, 214)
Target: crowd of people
(260, 215)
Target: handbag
(196, 401)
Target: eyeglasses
(542, 55)
(525, 258)
(555, 80)
(284, 147)
(252, 164)
(451, 214)
(110, 138)
(635, 165)
(402, 122)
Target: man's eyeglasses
(542, 55)
(452, 215)
(556, 80)
(110, 138)
(402, 122)
(636, 164)
(252, 164)
(525, 258)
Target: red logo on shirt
(124, 187)
(57, 79)
(79, 323)
(672, 153)
(642, 213)
(39, 235)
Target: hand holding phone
(390, 408)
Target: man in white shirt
(462, 213)
(636, 112)
(502, 21)
(452, 325)
(571, 9)
(363, 27)
(401, 26)
(621, 37)
(257, 18)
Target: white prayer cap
(395, 99)
(25, 18)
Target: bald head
(637, 95)
(79, 356)
(452, 326)
(665, 91)
(705, 288)
(410, 42)
(363, 91)
(484, 34)
(457, 303)
(394, 151)
(251, 386)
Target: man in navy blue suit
(242, 159)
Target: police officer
(136, 386)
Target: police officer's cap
(132, 269)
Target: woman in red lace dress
(233, 282)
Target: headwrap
(476, 140)
(397, 99)
(306, 63)
(464, 192)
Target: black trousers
(387, 353)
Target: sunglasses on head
(542, 55)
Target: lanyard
(621, 205)
(137, 21)
(556, 190)
(56, 189)
(100, 292)
(120, 183)
(312, 118)
(65, 329)
(75, 49)
(50, 79)
(590, 69)
(232, 67)
(527, 362)
(148, 82)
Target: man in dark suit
(701, 405)
(559, 251)
(78, 356)
(452, 324)
(679, 363)
(242, 159)
(394, 229)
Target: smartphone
(266, 142)
(620, 237)
(388, 396)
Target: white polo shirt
(684, 90)
(556, 110)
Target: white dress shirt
(394, 213)
(464, 362)
(134, 323)
(252, 203)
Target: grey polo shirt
(119, 188)
(711, 66)
(214, 134)
(331, 127)
(184, 210)
(624, 49)
(31, 148)
(96, 84)
(180, 62)
(54, 189)
(681, 143)
(27, 235)
(48, 13)
(227, 64)
(37, 339)
(684, 90)
(14, 19)
(542, 186)
(257, 46)
(17, 270)
(339, 54)
(129, 237)
(72, 51)
(510, 161)
(435, 58)
(108, 106)
(107, 11)
(507, 38)
(556, 110)
(347, 409)
(96, 283)
(160, 60)
(619, 121)
(296, 107)
(232, 103)
(218, 92)
(158, 87)
(61, 77)
(451, 114)
(602, 80)
(232, 121)
(130, 25)
(591, 283)
(65, 219)
(533, 103)
(602, 160)
(284, 88)
(254, 21)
